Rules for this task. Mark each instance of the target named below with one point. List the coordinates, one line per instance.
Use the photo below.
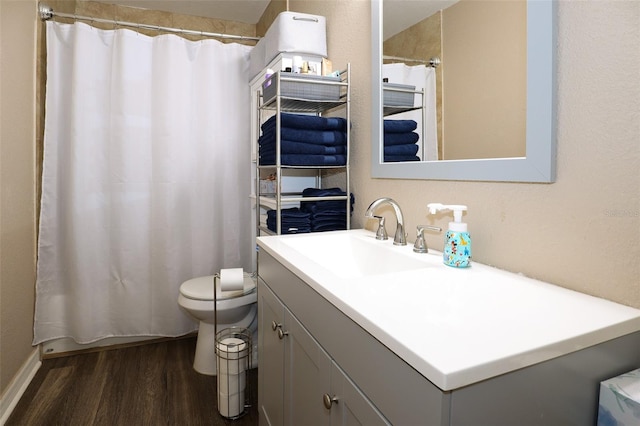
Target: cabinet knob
(281, 333)
(329, 400)
(275, 325)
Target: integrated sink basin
(354, 254)
(456, 326)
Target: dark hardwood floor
(151, 384)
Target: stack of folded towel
(400, 141)
(292, 221)
(305, 140)
(328, 215)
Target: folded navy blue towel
(305, 160)
(326, 206)
(324, 137)
(307, 122)
(323, 227)
(408, 149)
(332, 214)
(292, 221)
(322, 192)
(293, 212)
(284, 229)
(294, 147)
(399, 126)
(399, 158)
(315, 207)
(400, 138)
(333, 221)
(302, 227)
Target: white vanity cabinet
(299, 383)
(324, 350)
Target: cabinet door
(271, 359)
(350, 407)
(307, 377)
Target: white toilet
(235, 309)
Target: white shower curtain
(145, 179)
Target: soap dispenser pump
(457, 241)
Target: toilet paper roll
(231, 405)
(233, 355)
(229, 384)
(231, 279)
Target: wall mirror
(533, 162)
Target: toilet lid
(201, 288)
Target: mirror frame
(539, 165)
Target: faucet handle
(381, 233)
(420, 246)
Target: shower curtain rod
(47, 13)
(433, 62)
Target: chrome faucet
(420, 246)
(400, 238)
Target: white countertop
(455, 326)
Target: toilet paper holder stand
(232, 362)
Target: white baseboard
(18, 385)
(66, 345)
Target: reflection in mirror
(480, 134)
(484, 84)
(412, 48)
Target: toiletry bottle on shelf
(457, 241)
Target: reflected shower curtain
(145, 179)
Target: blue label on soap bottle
(457, 249)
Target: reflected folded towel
(304, 160)
(400, 138)
(324, 137)
(399, 126)
(307, 122)
(294, 147)
(399, 158)
(408, 149)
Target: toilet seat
(201, 288)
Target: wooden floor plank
(152, 384)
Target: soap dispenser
(457, 241)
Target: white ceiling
(248, 11)
(398, 14)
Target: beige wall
(581, 232)
(18, 20)
(484, 64)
